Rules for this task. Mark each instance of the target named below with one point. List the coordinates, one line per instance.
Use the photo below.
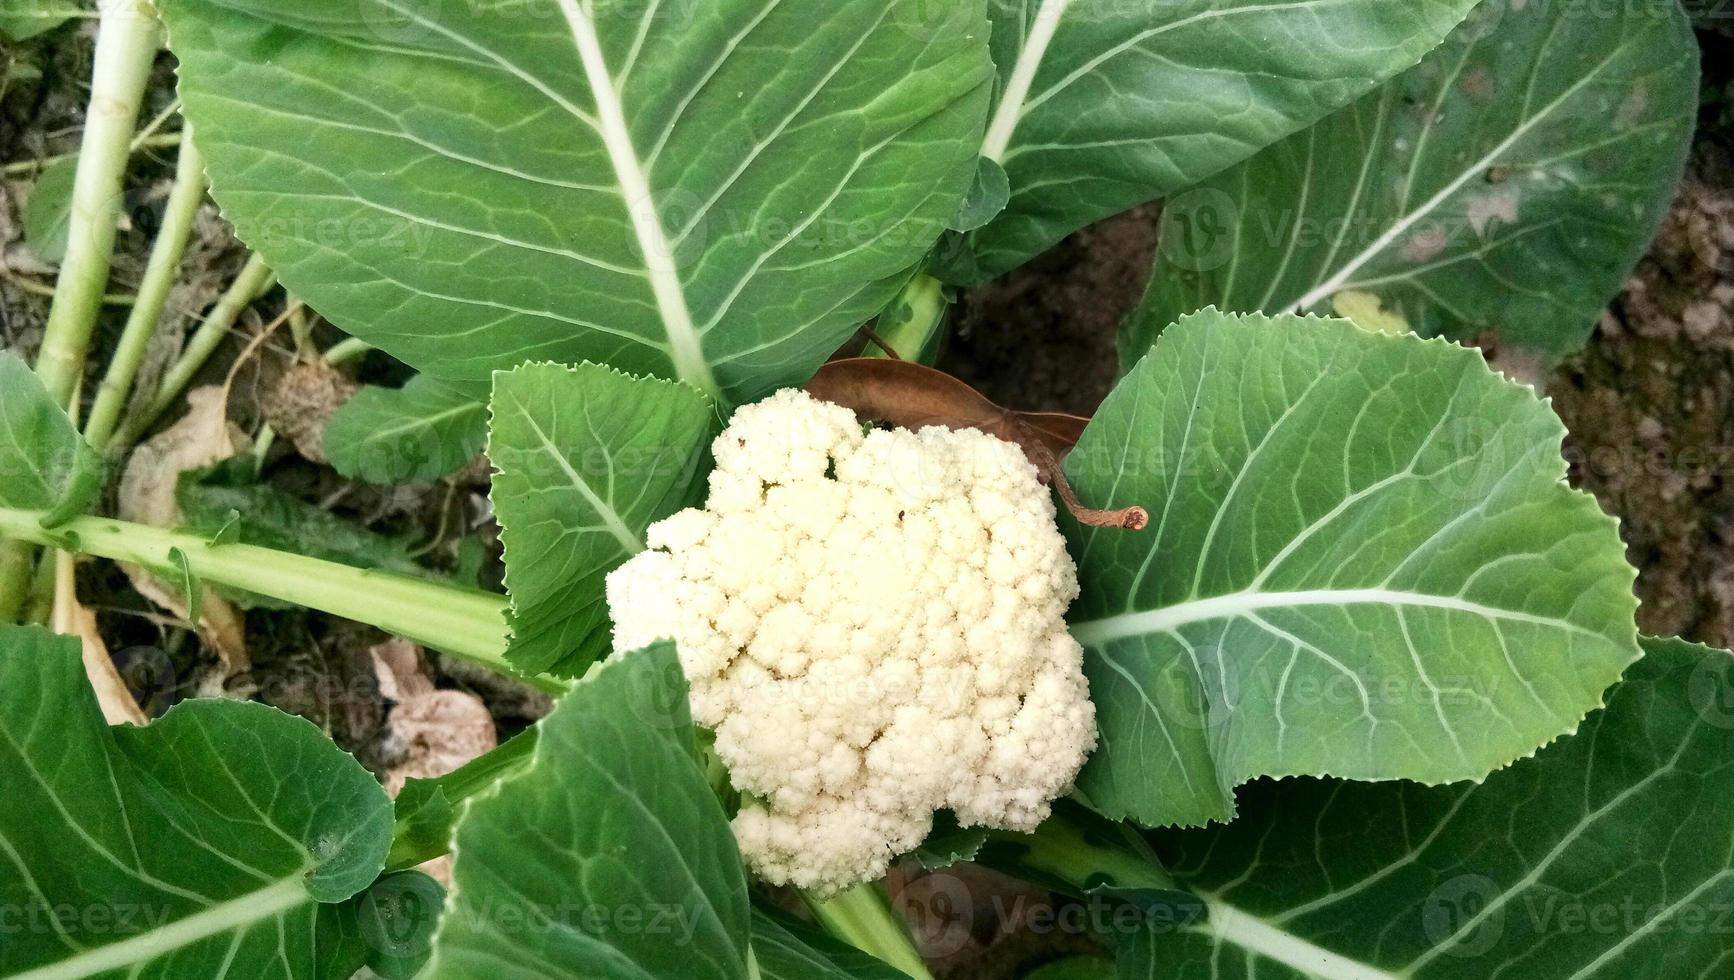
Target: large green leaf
(44, 463)
(586, 458)
(1104, 104)
(1363, 560)
(1607, 855)
(609, 858)
(422, 431)
(1507, 184)
(718, 192)
(213, 841)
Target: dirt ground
(1649, 403)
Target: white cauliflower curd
(873, 625)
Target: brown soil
(1650, 407)
(1042, 338)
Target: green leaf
(21, 20)
(1362, 560)
(397, 918)
(44, 463)
(425, 810)
(719, 193)
(211, 837)
(192, 590)
(987, 197)
(632, 871)
(1082, 854)
(1507, 185)
(947, 843)
(1605, 856)
(422, 431)
(229, 532)
(586, 459)
(48, 210)
(791, 950)
(1103, 104)
(223, 501)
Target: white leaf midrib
(1022, 78)
(1235, 605)
(238, 913)
(685, 347)
(1225, 923)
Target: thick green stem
(126, 46)
(17, 562)
(863, 918)
(254, 279)
(301, 329)
(153, 293)
(465, 623)
(913, 324)
(753, 971)
(346, 350)
(1078, 852)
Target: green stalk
(913, 324)
(753, 971)
(346, 350)
(35, 288)
(160, 141)
(254, 279)
(863, 918)
(301, 329)
(153, 293)
(465, 623)
(17, 566)
(427, 809)
(126, 45)
(1080, 853)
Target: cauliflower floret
(873, 623)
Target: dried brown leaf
(429, 732)
(910, 395)
(301, 402)
(71, 618)
(200, 438)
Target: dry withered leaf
(429, 732)
(146, 495)
(71, 618)
(911, 395)
(301, 402)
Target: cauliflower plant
(872, 622)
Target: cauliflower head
(873, 625)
